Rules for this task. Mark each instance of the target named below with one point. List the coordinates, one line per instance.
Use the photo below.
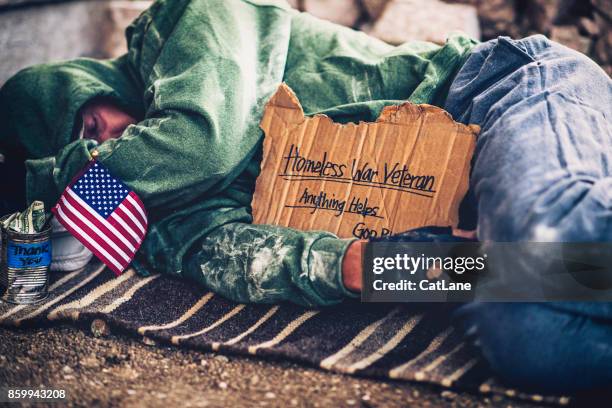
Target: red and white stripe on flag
(104, 215)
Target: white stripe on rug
(387, 347)
(91, 296)
(356, 341)
(283, 334)
(421, 374)
(192, 310)
(450, 379)
(177, 339)
(62, 296)
(128, 295)
(262, 320)
(397, 372)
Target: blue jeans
(542, 171)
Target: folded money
(30, 221)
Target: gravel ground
(116, 370)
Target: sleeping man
(176, 119)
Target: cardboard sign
(408, 169)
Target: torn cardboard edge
(408, 169)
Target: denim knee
(540, 348)
(499, 332)
(542, 108)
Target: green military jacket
(199, 73)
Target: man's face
(102, 120)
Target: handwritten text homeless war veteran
(395, 176)
(408, 169)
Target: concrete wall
(35, 32)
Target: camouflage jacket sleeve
(269, 264)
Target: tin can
(24, 265)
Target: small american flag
(104, 215)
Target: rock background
(35, 31)
(397, 21)
(584, 25)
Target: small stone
(69, 377)
(350, 402)
(90, 362)
(99, 328)
(254, 380)
(416, 393)
(270, 395)
(449, 395)
(366, 397)
(161, 395)
(148, 341)
(203, 363)
(222, 385)
(294, 402)
(127, 373)
(131, 392)
(67, 370)
(221, 358)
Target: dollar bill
(30, 221)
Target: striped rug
(410, 342)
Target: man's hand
(351, 267)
